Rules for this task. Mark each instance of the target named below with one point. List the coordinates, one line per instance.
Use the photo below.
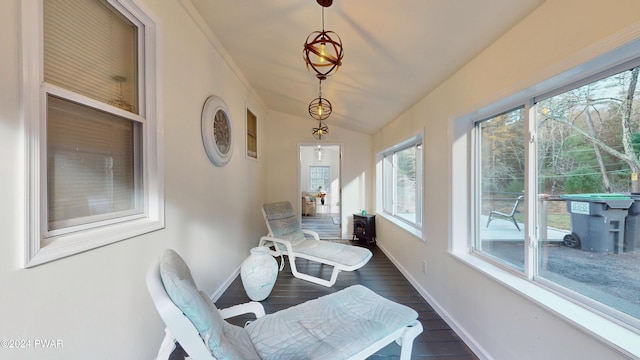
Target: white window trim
(34, 113)
(609, 53)
(409, 227)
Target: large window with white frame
(400, 177)
(91, 126)
(501, 168)
(557, 193)
(319, 178)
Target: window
(252, 135)
(580, 210)
(319, 178)
(400, 178)
(501, 148)
(93, 167)
(588, 142)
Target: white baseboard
(225, 285)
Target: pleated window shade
(90, 48)
(92, 157)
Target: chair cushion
(283, 222)
(179, 284)
(335, 326)
(343, 254)
(200, 310)
(230, 341)
(287, 229)
(278, 210)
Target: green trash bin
(597, 221)
(632, 226)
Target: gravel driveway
(612, 279)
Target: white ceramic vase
(258, 273)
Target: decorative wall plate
(216, 130)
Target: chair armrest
(312, 233)
(286, 243)
(252, 307)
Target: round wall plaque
(216, 130)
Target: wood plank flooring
(326, 225)
(437, 342)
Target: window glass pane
(319, 178)
(252, 135)
(90, 164)
(405, 183)
(588, 146)
(402, 181)
(90, 48)
(387, 183)
(502, 155)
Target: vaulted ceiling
(395, 51)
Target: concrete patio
(505, 230)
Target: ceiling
(395, 51)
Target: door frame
(339, 177)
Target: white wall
(501, 323)
(286, 133)
(96, 302)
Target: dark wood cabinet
(364, 228)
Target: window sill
(615, 335)
(71, 244)
(403, 225)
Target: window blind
(91, 163)
(91, 50)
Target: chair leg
(512, 217)
(406, 341)
(313, 279)
(515, 222)
(167, 346)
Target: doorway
(320, 189)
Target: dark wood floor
(326, 225)
(437, 342)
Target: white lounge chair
(286, 236)
(352, 323)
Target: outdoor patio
(504, 230)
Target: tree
(576, 109)
(583, 180)
(502, 142)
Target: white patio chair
(353, 323)
(286, 236)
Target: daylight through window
(585, 150)
(401, 177)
